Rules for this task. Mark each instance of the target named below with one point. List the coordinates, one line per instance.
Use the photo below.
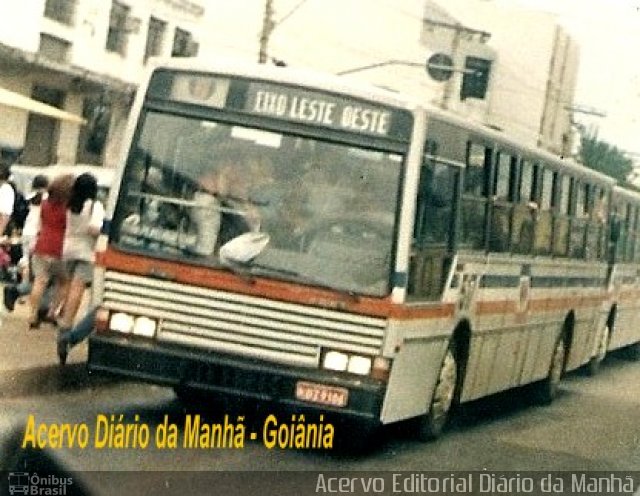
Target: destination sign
(279, 101)
(320, 109)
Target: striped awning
(16, 100)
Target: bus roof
(287, 75)
(534, 152)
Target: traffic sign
(440, 66)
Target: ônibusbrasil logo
(34, 484)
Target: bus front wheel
(431, 424)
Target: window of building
(54, 48)
(117, 35)
(61, 10)
(183, 44)
(155, 38)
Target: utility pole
(448, 85)
(267, 28)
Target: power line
(290, 13)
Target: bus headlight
(121, 322)
(359, 365)
(376, 367)
(129, 324)
(145, 327)
(335, 360)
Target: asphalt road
(592, 426)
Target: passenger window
(547, 189)
(526, 182)
(478, 162)
(502, 177)
(564, 194)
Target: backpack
(20, 209)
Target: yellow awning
(16, 100)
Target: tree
(603, 157)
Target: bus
(294, 238)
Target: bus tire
(632, 352)
(547, 389)
(431, 424)
(593, 366)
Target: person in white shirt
(84, 220)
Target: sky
(608, 32)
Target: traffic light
(476, 78)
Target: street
(591, 426)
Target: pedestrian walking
(47, 261)
(85, 214)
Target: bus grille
(240, 324)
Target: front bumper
(231, 376)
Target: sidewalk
(25, 349)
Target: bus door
(434, 228)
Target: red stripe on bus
(255, 286)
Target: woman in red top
(47, 253)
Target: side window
(478, 163)
(561, 198)
(503, 193)
(580, 206)
(630, 232)
(543, 229)
(436, 200)
(526, 182)
(547, 189)
(474, 198)
(502, 178)
(435, 223)
(565, 195)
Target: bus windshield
(321, 212)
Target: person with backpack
(12, 292)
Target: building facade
(85, 57)
(533, 79)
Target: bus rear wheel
(431, 424)
(547, 389)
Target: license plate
(319, 393)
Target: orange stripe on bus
(537, 305)
(256, 286)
